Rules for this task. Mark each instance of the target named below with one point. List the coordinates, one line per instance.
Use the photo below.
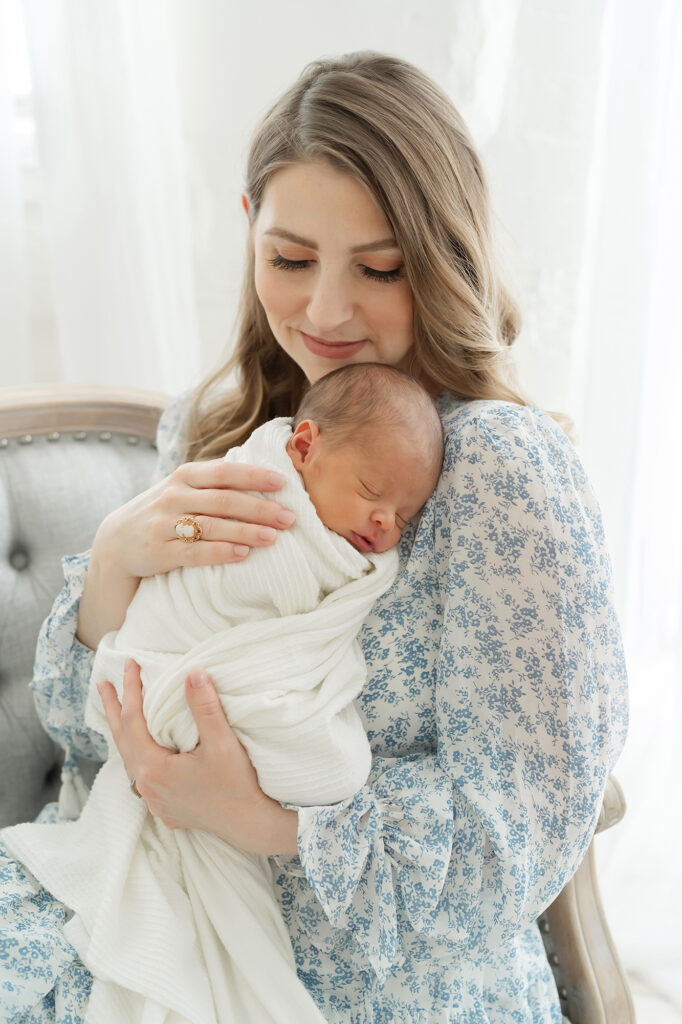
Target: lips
(332, 349)
(360, 542)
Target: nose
(384, 519)
(330, 304)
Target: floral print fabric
(495, 707)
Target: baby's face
(367, 494)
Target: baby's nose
(384, 519)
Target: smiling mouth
(333, 349)
(325, 341)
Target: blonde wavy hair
(385, 123)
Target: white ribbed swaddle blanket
(177, 926)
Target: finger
(131, 702)
(230, 475)
(231, 531)
(132, 720)
(111, 705)
(206, 709)
(204, 552)
(229, 505)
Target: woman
(496, 699)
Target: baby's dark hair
(348, 404)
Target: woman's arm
(139, 538)
(136, 540)
(63, 662)
(62, 669)
(461, 849)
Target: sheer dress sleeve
(450, 852)
(63, 664)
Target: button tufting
(80, 435)
(54, 436)
(4, 442)
(26, 439)
(132, 439)
(19, 559)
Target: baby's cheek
(388, 541)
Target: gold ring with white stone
(188, 529)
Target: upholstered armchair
(68, 456)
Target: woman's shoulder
(509, 450)
(495, 431)
(510, 473)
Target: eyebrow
(382, 243)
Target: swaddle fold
(178, 926)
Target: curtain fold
(641, 856)
(115, 199)
(15, 355)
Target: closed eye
(282, 263)
(370, 491)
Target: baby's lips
(361, 542)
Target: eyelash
(400, 522)
(385, 276)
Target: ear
(302, 442)
(246, 204)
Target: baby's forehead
(381, 456)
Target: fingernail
(198, 677)
(285, 517)
(241, 549)
(275, 479)
(267, 533)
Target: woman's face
(329, 273)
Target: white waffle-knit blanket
(178, 926)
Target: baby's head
(368, 442)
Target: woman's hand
(139, 538)
(213, 787)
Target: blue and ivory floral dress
(495, 706)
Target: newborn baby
(176, 923)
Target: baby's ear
(302, 442)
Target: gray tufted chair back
(68, 456)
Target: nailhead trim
(79, 435)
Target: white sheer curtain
(578, 111)
(641, 863)
(115, 268)
(15, 362)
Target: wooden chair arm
(590, 979)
